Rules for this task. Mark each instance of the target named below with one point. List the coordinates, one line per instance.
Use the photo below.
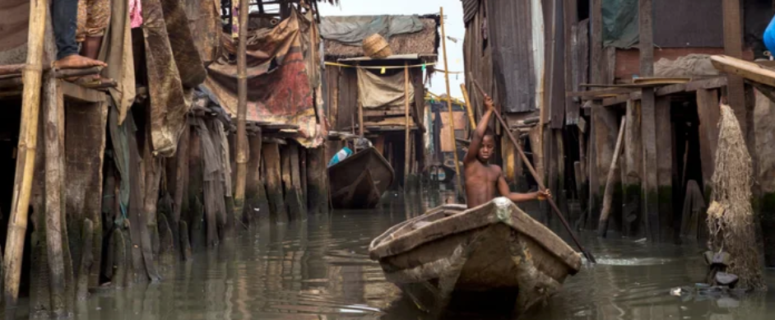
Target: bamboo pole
(360, 119)
(25, 161)
(242, 156)
(408, 146)
(602, 226)
(469, 110)
(532, 170)
(449, 105)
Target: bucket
(376, 47)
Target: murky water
(320, 270)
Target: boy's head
(487, 147)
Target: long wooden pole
(25, 161)
(602, 226)
(449, 105)
(242, 154)
(408, 146)
(532, 170)
(469, 110)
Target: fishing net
(730, 216)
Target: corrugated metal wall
(511, 29)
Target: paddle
(532, 170)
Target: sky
(453, 23)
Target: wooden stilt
(195, 191)
(602, 227)
(242, 152)
(274, 188)
(407, 145)
(317, 181)
(181, 182)
(54, 226)
(86, 260)
(449, 105)
(185, 243)
(256, 205)
(469, 110)
(293, 203)
(120, 262)
(25, 161)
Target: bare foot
(78, 62)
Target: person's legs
(65, 24)
(64, 19)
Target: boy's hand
(543, 195)
(488, 102)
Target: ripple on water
(320, 270)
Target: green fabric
(118, 136)
(620, 23)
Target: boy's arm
(481, 128)
(503, 188)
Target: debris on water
(583, 313)
(726, 279)
(728, 303)
(643, 240)
(676, 292)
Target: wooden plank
(745, 69)
(671, 89)
(601, 93)
(570, 18)
(660, 80)
(82, 94)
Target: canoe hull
(359, 181)
(446, 259)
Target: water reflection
(320, 269)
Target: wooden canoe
(495, 249)
(358, 181)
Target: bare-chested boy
(482, 178)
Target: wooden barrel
(375, 46)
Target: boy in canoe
(485, 181)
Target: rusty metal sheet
(510, 27)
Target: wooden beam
(650, 178)
(596, 41)
(664, 135)
(709, 113)
(632, 170)
(745, 69)
(646, 38)
(733, 47)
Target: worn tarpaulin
(280, 89)
(116, 51)
(213, 190)
(204, 19)
(351, 30)
(620, 23)
(376, 91)
(170, 65)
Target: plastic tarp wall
(620, 23)
(352, 30)
(282, 77)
